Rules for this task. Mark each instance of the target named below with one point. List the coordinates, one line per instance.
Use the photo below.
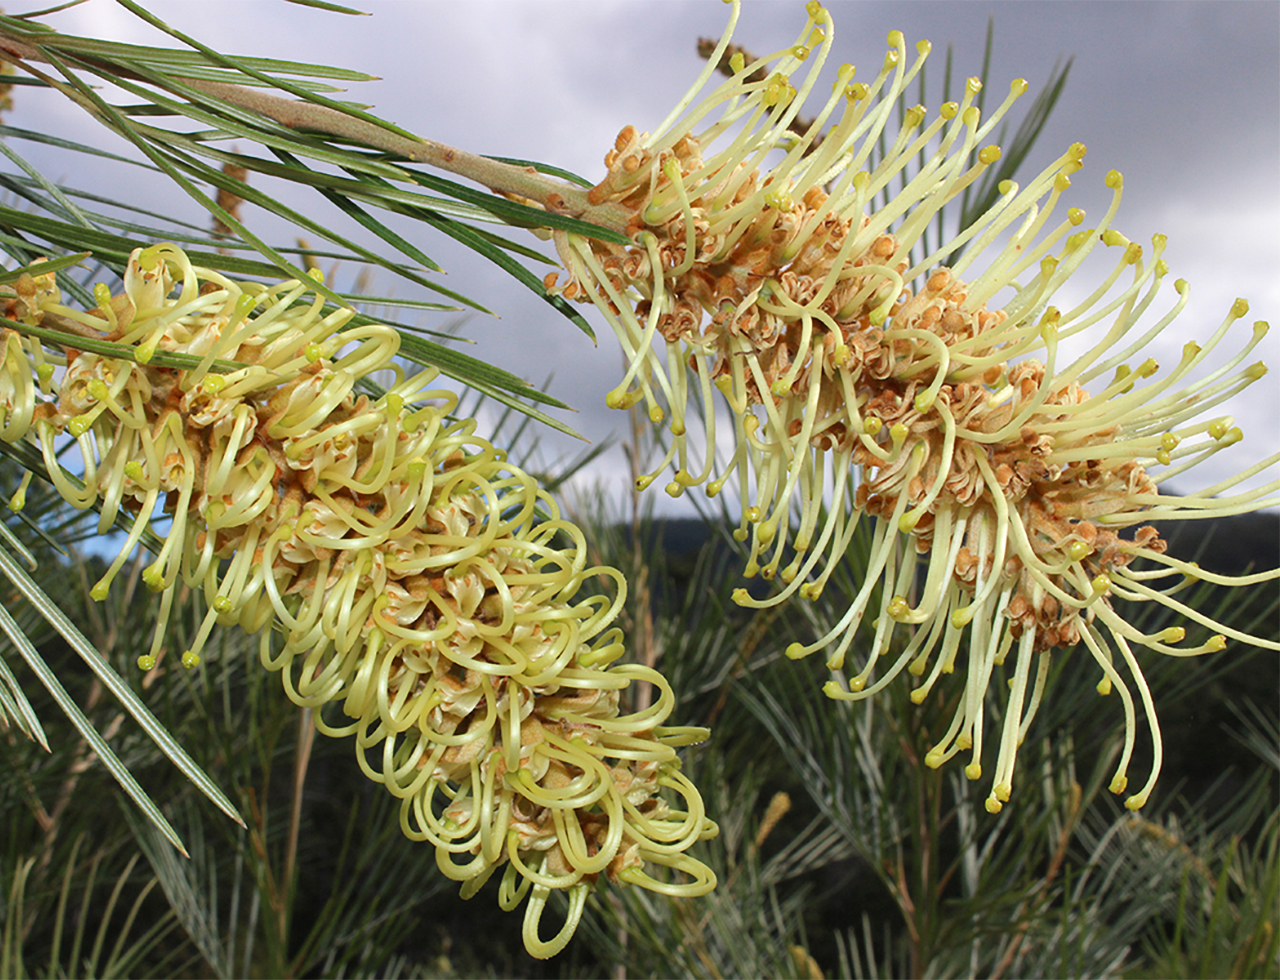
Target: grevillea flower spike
(423, 587)
(923, 391)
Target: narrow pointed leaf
(545, 168)
(471, 238)
(50, 188)
(116, 121)
(371, 223)
(126, 352)
(116, 685)
(18, 707)
(40, 268)
(337, 8)
(90, 734)
(249, 68)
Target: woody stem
(557, 196)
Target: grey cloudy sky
(1182, 97)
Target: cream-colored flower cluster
(426, 592)
(781, 262)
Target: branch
(556, 196)
(522, 183)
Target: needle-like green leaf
(336, 8)
(114, 683)
(10, 627)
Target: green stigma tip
(1078, 551)
(149, 258)
(1113, 237)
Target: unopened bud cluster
(783, 265)
(428, 599)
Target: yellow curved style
(772, 261)
(425, 590)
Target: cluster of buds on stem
(425, 594)
(773, 261)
